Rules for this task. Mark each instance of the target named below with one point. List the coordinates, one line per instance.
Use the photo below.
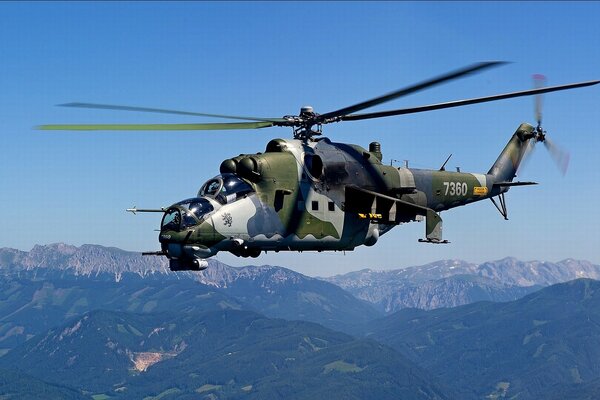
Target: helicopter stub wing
(384, 209)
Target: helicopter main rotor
(308, 123)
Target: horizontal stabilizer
(507, 184)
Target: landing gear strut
(502, 207)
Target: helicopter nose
(193, 243)
(189, 246)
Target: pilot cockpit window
(200, 207)
(234, 185)
(225, 188)
(212, 187)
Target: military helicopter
(310, 193)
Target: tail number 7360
(455, 188)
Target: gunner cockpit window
(171, 220)
(194, 207)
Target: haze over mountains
(77, 322)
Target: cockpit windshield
(225, 188)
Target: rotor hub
(540, 134)
(307, 110)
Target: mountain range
(50, 284)
(97, 322)
(449, 283)
(445, 283)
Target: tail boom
(506, 166)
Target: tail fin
(506, 166)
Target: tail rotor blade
(560, 156)
(539, 81)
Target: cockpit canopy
(225, 188)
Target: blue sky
(268, 59)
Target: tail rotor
(559, 155)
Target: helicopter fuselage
(317, 195)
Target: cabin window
(315, 205)
(331, 206)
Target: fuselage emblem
(227, 219)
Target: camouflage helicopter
(309, 193)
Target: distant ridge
(449, 283)
(445, 283)
(85, 260)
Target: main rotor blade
(158, 127)
(459, 103)
(164, 111)
(411, 89)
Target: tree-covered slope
(232, 354)
(525, 348)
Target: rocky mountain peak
(222, 276)
(85, 260)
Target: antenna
(443, 167)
